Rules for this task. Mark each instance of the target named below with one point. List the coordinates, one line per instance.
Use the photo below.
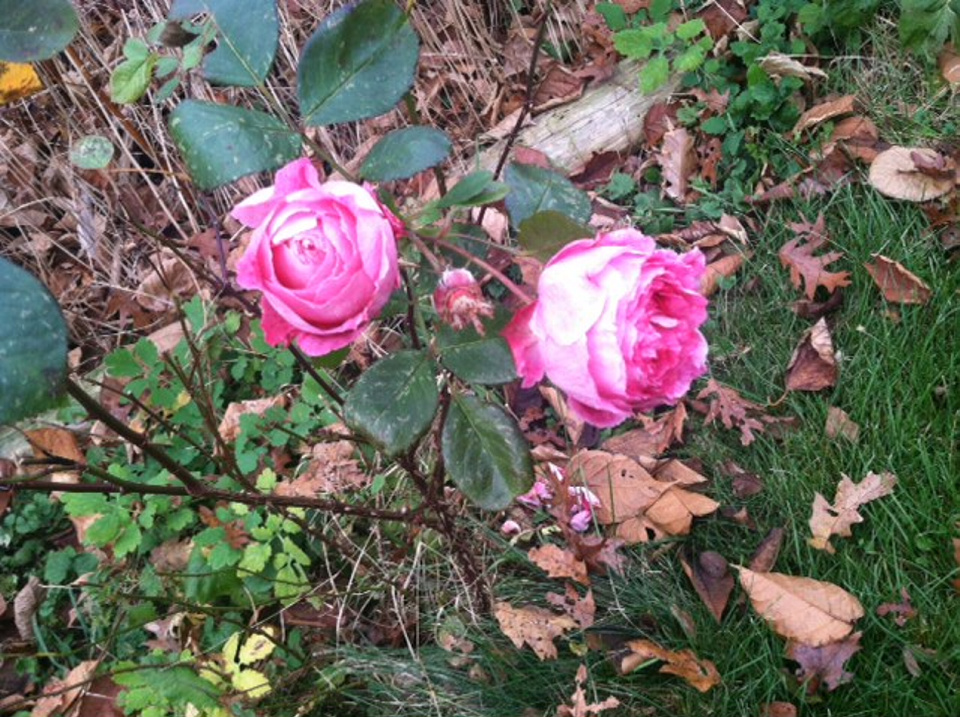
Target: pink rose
(615, 326)
(324, 256)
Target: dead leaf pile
(638, 504)
(838, 519)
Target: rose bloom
(323, 255)
(615, 326)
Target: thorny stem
(411, 311)
(493, 271)
(527, 98)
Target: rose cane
(615, 326)
(324, 256)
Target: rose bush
(615, 326)
(324, 256)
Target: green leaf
(546, 233)
(92, 152)
(613, 15)
(394, 401)
(635, 44)
(473, 190)
(925, 25)
(655, 74)
(255, 557)
(247, 35)
(358, 64)
(221, 143)
(475, 358)
(130, 80)
(690, 29)
(533, 189)
(485, 453)
(405, 152)
(32, 30)
(33, 345)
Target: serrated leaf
(405, 152)
(655, 74)
(358, 64)
(255, 557)
(33, 345)
(475, 358)
(546, 233)
(35, 30)
(258, 646)
(485, 453)
(221, 143)
(92, 152)
(633, 43)
(130, 80)
(534, 189)
(247, 37)
(394, 401)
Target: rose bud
(459, 300)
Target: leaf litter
(838, 518)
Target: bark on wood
(607, 117)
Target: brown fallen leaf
(825, 110)
(840, 424)
(949, 62)
(558, 562)
(711, 578)
(533, 626)
(678, 160)
(778, 65)
(814, 310)
(25, 606)
(229, 427)
(723, 17)
(895, 173)
(733, 410)
(332, 469)
(813, 366)
(578, 706)
(807, 268)
(640, 506)
(171, 556)
(824, 664)
(582, 609)
(722, 268)
(910, 662)
(745, 483)
(837, 519)
(896, 283)
(62, 697)
(778, 709)
(903, 610)
(655, 437)
(766, 554)
(802, 609)
(701, 674)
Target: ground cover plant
(352, 423)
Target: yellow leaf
(258, 647)
(251, 683)
(17, 81)
(229, 654)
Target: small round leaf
(33, 30)
(92, 152)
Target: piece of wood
(607, 117)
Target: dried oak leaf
(711, 578)
(655, 437)
(558, 562)
(798, 255)
(533, 626)
(640, 506)
(896, 282)
(332, 469)
(824, 664)
(583, 610)
(840, 424)
(904, 610)
(813, 366)
(678, 160)
(895, 173)
(701, 674)
(837, 519)
(825, 110)
(801, 609)
(733, 410)
(578, 706)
